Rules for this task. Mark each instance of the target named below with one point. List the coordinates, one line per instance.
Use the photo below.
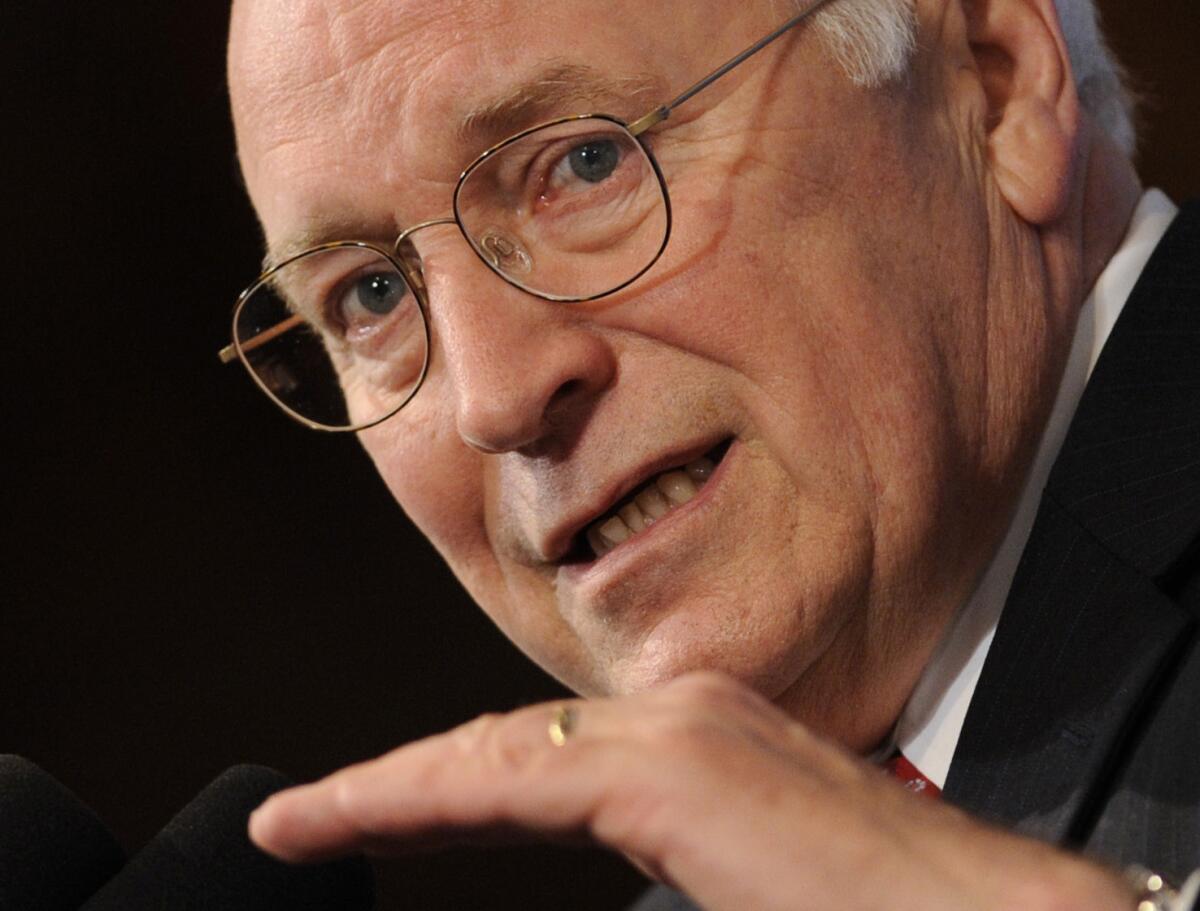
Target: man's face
(816, 328)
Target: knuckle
(681, 731)
(705, 709)
(468, 739)
(708, 690)
(510, 755)
(700, 682)
(353, 804)
(430, 778)
(642, 820)
(500, 742)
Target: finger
(495, 773)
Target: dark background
(192, 581)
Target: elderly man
(734, 402)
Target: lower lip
(617, 559)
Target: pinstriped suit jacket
(1085, 727)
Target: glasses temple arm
(659, 114)
(228, 354)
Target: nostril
(566, 398)
(566, 391)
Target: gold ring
(562, 725)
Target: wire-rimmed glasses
(571, 210)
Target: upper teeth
(668, 491)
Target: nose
(524, 372)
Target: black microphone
(54, 851)
(204, 861)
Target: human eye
(591, 162)
(363, 304)
(343, 292)
(374, 330)
(577, 186)
(559, 170)
(357, 301)
(583, 172)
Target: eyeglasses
(572, 210)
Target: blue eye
(594, 161)
(379, 293)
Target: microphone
(203, 860)
(54, 851)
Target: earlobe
(1032, 157)
(1033, 110)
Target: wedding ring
(562, 725)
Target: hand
(706, 786)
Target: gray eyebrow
(317, 230)
(559, 89)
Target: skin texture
(871, 292)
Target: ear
(1033, 108)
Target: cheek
(448, 490)
(842, 350)
(436, 480)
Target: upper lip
(561, 538)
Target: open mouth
(651, 501)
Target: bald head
(429, 76)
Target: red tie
(910, 776)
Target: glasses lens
(570, 211)
(335, 336)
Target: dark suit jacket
(1085, 727)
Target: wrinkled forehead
(419, 82)
(303, 61)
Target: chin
(766, 643)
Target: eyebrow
(559, 89)
(318, 229)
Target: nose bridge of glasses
(500, 249)
(409, 257)
(421, 226)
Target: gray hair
(874, 40)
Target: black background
(192, 581)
